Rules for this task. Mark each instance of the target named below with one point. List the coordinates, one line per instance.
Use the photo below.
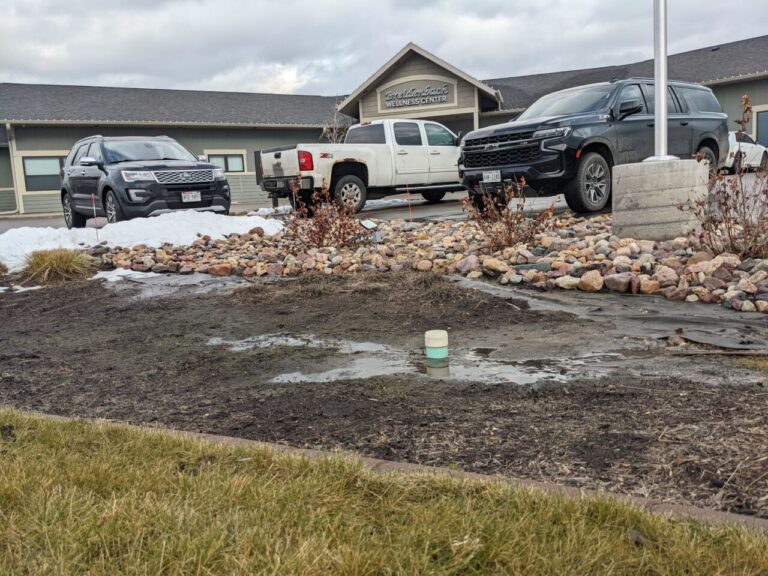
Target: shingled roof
(712, 65)
(48, 103)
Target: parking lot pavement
(34, 221)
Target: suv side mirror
(629, 107)
(89, 161)
(458, 138)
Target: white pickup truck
(377, 159)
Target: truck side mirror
(629, 107)
(458, 138)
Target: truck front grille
(499, 158)
(499, 139)
(183, 176)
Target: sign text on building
(416, 96)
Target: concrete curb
(680, 511)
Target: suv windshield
(575, 101)
(116, 151)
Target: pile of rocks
(577, 254)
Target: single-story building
(39, 123)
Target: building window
(42, 173)
(229, 162)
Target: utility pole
(660, 77)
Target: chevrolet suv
(568, 142)
(129, 177)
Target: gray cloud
(331, 46)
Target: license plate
(190, 196)
(492, 176)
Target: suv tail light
(305, 161)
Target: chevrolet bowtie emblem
(491, 146)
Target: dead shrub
(57, 266)
(322, 221)
(3, 269)
(503, 226)
(734, 213)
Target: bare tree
(335, 128)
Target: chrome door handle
(402, 153)
(435, 153)
(83, 173)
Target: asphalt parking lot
(390, 208)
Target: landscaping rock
(591, 281)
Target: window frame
(226, 154)
(377, 128)
(36, 188)
(649, 90)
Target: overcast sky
(331, 46)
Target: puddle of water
(370, 359)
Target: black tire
(590, 189)
(112, 208)
(351, 191)
(304, 198)
(71, 218)
(763, 167)
(711, 157)
(493, 201)
(736, 167)
(433, 197)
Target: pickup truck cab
(377, 159)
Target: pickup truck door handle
(435, 152)
(683, 123)
(402, 153)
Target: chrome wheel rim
(111, 209)
(350, 194)
(596, 183)
(67, 205)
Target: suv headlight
(552, 133)
(137, 175)
(218, 173)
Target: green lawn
(81, 498)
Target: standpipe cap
(436, 339)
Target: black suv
(567, 142)
(128, 177)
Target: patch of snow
(120, 274)
(279, 211)
(19, 288)
(3, 289)
(179, 228)
(389, 203)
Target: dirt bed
(243, 364)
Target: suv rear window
(370, 134)
(701, 100)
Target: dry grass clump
(57, 266)
(3, 269)
(84, 498)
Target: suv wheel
(433, 197)
(71, 218)
(112, 208)
(709, 156)
(590, 189)
(350, 191)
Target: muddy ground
(337, 363)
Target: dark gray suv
(568, 142)
(129, 177)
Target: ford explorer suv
(376, 159)
(128, 177)
(568, 142)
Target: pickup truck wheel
(590, 189)
(433, 197)
(350, 191)
(304, 198)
